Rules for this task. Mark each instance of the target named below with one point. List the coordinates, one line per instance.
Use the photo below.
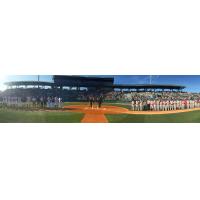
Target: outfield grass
(189, 117)
(16, 116)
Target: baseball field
(109, 113)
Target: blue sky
(192, 82)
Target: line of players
(32, 102)
(95, 99)
(164, 105)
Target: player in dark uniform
(100, 100)
(91, 100)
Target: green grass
(16, 116)
(189, 117)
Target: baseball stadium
(97, 99)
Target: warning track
(98, 115)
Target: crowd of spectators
(128, 96)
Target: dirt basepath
(94, 118)
(98, 115)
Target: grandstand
(76, 88)
(89, 83)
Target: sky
(192, 82)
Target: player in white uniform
(33, 101)
(172, 104)
(160, 105)
(178, 104)
(133, 105)
(184, 104)
(19, 102)
(188, 104)
(175, 105)
(56, 102)
(151, 105)
(198, 103)
(48, 102)
(169, 104)
(192, 104)
(60, 103)
(154, 105)
(28, 102)
(181, 105)
(13, 101)
(141, 105)
(42, 102)
(138, 105)
(165, 105)
(157, 105)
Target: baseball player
(141, 105)
(161, 105)
(133, 105)
(157, 105)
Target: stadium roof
(93, 81)
(83, 81)
(148, 86)
(81, 78)
(28, 83)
